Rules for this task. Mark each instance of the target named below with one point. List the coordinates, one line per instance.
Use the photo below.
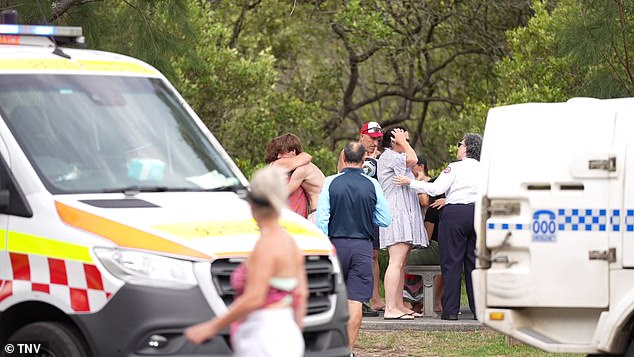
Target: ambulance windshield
(104, 133)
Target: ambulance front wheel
(53, 337)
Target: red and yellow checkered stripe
(74, 283)
(64, 271)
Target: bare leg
(394, 280)
(409, 308)
(354, 322)
(429, 227)
(376, 302)
(438, 293)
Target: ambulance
(121, 215)
(555, 225)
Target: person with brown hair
(407, 228)
(304, 178)
(307, 175)
(271, 289)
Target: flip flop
(415, 314)
(402, 317)
(369, 312)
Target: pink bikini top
(280, 288)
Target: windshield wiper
(135, 189)
(237, 188)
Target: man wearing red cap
(369, 137)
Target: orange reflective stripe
(121, 234)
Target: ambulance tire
(60, 339)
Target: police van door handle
(504, 260)
(609, 255)
(607, 165)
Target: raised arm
(292, 162)
(401, 138)
(297, 178)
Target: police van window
(105, 133)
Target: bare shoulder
(311, 174)
(309, 169)
(316, 170)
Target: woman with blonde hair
(267, 314)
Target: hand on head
(400, 137)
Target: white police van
(555, 225)
(120, 214)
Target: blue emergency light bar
(39, 30)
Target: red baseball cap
(372, 128)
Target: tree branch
(627, 64)
(61, 6)
(238, 25)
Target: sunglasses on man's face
(460, 144)
(373, 130)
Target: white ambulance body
(556, 225)
(120, 214)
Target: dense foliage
(254, 69)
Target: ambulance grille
(321, 281)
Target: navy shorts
(355, 257)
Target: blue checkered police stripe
(575, 219)
(509, 226)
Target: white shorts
(268, 332)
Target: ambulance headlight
(147, 269)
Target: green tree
(255, 69)
(414, 63)
(598, 36)
(568, 48)
(235, 83)
(153, 31)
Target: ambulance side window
(12, 200)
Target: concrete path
(465, 322)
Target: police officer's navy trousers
(456, 239)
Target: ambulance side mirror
(12, 199)
(5, 192)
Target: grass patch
(485, 343)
